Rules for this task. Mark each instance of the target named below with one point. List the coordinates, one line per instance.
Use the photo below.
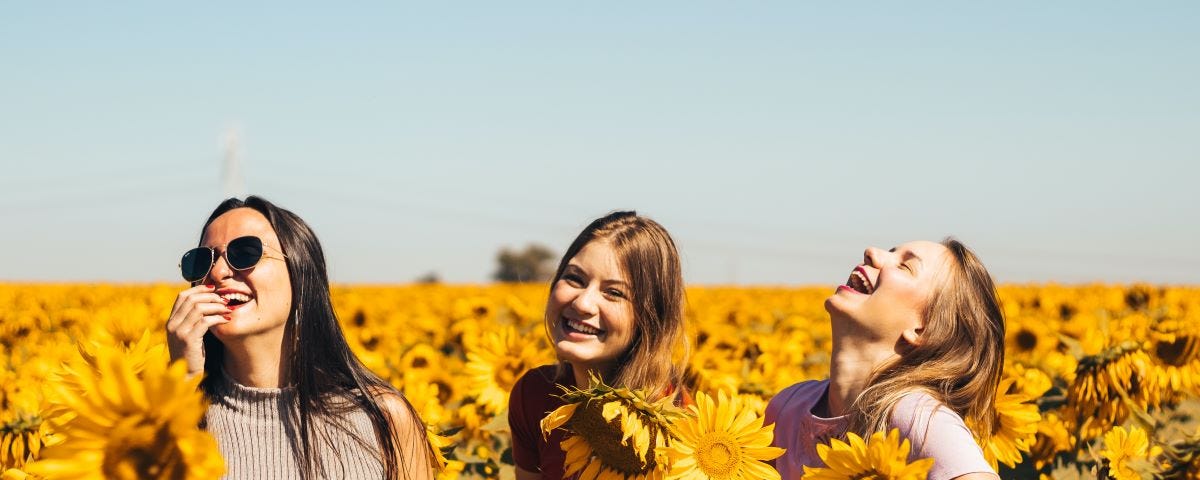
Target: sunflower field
(1100, 380)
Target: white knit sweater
(260, 440)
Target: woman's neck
(256, 361)
(850, 367)
(580, 373)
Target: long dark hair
(320, 364)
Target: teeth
(236, 297)
(583, 328)
(860, 282)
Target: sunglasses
(240, 253)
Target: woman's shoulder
(537, 382)
(937, 431)
(800, 396)
(920, 407)
(394, 406)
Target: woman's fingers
(185, 305)
(183, 296)
(195, 311)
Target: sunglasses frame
(225, 253)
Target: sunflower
(1107, 387)
(1175, 348)
(495, 364)
(615, 432)
(1052, 439)
(119, 426)
(883, 456)
(721, 440)
(1015, 426)
(1127, 452)
(439, 445)
(1032, 381)
(22, 438)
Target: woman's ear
(912, 336)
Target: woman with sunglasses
(615, 309)
(918, 345)
(288, 397)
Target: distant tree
(430, 277)
(533, 264)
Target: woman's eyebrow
(909, 255)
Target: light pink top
(933, 430)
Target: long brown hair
(960, 357)
(656, 357)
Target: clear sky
(775, 140)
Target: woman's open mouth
(579, 328)
(234, 300)
(860, 282)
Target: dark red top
(533, 397)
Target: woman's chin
(576, 354)
(224, 330)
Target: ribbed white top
(257, 432)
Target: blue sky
(775, 140)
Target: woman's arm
(413, 454)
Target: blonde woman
(918, 344)
(616, 310)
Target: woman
(288, 397)
(616, 310)
(918, 344)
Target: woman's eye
(612, 292)
(573, 280)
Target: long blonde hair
(960, 357)
(647, 255)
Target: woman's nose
(220, 269)
(871, 256)
(585, 303)
(877, 257)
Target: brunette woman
(288, 397)
(615, 310)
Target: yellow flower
(1106, 385)
(615, 432)
(22, 439)
(15, 474)
(439, 444)
(883, 456)
(496, 363)
(121, 426)
(1015, 427)
(1175, 348)
(1123, 449)
(721, 440)
(1052, 439)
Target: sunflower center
(871, 474)
(604, 438)
(506, 376)
(1177, 353)
(142, 450)
(718, 455)
(1026, 340)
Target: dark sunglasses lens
(195, 263)
(244, 252)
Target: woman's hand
(196, 310)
